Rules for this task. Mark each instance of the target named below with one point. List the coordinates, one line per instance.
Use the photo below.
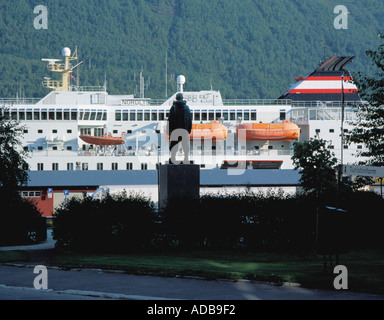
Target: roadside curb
(94, 294)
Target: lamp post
(340, 169)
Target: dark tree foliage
(13, 165)
(369, 126)
(116, 223)
(20, 220)
(316, 164)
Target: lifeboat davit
(213, 130)
(106, 140)
(285, 131)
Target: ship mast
(64, 69)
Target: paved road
(16, 283)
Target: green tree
(369, 126)
(20, 220)
(13, 165)
(317, 165)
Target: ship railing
(198, 152)
(305, 114)
(248, 152)
(255, 102)
(88, 88)
(115, 153)
(17, 101)
(325, 104)
(52, 153)
(157, 102)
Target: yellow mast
(64, 69)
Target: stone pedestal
(178, 181)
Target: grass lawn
(13, 255)
(365, 267)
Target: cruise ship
(81, 138)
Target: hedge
(246, 220)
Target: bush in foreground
(116, 223)
(272, 221)
(21, 223)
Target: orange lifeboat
(285, 131)
(200, 131)
(106, 140)
(214, 130)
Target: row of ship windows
(359, 147)
(41, 148)
(197, 115)
(100, 131)
(22, 115)
(132, 115)
(69, 148)
(85, 166)
(40, 131)
(331, 130)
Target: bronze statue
(180, 126)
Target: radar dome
(180, 79)
(66, 52)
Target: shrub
(116, 223)
(246, 220)
(21, 223)
(243, 220)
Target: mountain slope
(244, 48)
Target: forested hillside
(244, 48)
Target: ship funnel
(180, 82)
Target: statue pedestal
(178, 181)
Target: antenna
(166, 75)
(325, 48)
(324, 52)
(64, 69)
(51, 61)
(77, 73)
(141, 85)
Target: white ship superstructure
(54, 124)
